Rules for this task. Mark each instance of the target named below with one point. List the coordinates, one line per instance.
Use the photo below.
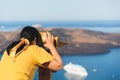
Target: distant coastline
(103, 25)
(81, 41)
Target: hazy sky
(50, 10)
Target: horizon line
(58, 20)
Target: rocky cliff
(80, 41)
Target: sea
(99, 67)
(104, 26)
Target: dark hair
(29, 33)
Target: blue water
(104, 26)
(107, 66)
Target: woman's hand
(49, 40)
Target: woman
(21, 58)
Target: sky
(52, 10)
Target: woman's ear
(34, 41)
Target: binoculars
(57, 41)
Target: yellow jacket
(25, 63)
